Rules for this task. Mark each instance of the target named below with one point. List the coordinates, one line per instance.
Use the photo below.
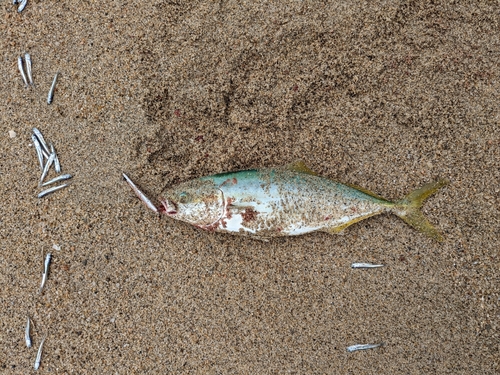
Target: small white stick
(140, 194)
(354, 348)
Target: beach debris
(39, 135)
(57, 179)
(357, 347)
(56, 247)
(140, 194)
(38, 149)
(22, 6)
(21, 70)
(46, 168)
(366, 265)
(272, 202)
(57, 166)
(50, 97)
(38, 359)
(46, 265)
(12, 134)
(51, 190)
(43, 152)
(20, 66)
(27, 337)
(27, 58)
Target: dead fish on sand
(286, 201)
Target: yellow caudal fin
(408, 209)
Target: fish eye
(183, 197)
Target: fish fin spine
(409, 207)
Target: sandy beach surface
(388, 95)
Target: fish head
(198, 202)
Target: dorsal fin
(300, 166)
(366, 191)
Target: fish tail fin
(408, 209)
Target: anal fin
(338, 229)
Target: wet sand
(385, 95)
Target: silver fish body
(38, 149)
(50, 95)
(39, 135)
(27, 57)
(354, 348)
(21, 70)
(45, 274)
(366, 265)
(286, 201)
(57, 165)
(57, 179)
(52, 190)
(22, 6)
(46, 168)
(269, 203)
(38, 359)
(27, 337)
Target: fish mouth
(168, 207)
